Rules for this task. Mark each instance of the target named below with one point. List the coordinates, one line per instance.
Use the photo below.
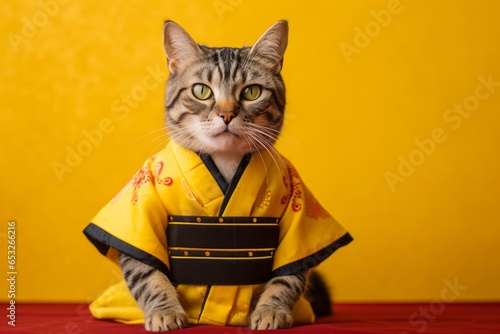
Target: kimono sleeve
(308, 234)
(134, 222)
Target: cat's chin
(227, 142)
(219, 144)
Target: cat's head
(225, 99)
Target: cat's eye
(202, 92)
(251, 92)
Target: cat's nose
(227, 109)
(227, 116)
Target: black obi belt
(221, 250)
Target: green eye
(202, 92)
(251, 92)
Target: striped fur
(274, 305)
(155, 295)
(199, 125)
(226, 126)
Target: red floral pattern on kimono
(165, 181)
(143, 176)
(313, 209)
(294, 188)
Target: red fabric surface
(348, 319)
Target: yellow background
(71, 67)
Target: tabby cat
(226, 103)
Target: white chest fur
(227, 163)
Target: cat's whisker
(277, 159)
(282, 138)
(164, 141)
(151, 142)
(265, 131)
(160, 128)
(251, 143)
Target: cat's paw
(267, 317)
(166, 320)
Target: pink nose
(227, 116)
(227, 109)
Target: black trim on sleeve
(102, 240)
(314, 259)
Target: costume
(216, 241)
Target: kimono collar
(215, 195)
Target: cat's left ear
(180, 48)
(271, 45)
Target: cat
(224, 103)
(210, 119)
(227, 106)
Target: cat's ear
(271, 45)
(180, 48)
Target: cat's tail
(318, 294)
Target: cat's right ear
(272, 44)
(180, 48)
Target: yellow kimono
(216, 241)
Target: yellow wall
(371, 84)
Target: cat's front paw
(268, 317)
(166, 320)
